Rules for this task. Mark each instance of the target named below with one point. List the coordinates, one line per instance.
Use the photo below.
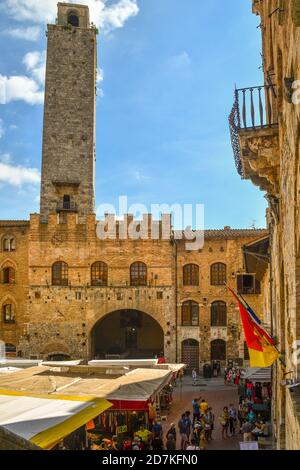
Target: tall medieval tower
(68, 163)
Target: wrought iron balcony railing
(66, 207)
(254, 108)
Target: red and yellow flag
(261, 346)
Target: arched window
(99, 274)
(8, 244)
(138, 274)
(190, 313)
(218, 350)
(60, 274)
(246, 352)
(191, 275)
(73, 19)
(218, 313)
(8, 275)
(218, 274)
(8, 313)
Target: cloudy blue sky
(169, 69)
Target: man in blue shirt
(157, 428)
(182, 426)
(196, 410)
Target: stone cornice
(260, 158)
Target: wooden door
(190, 354)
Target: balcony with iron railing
(69, 206)
(253, 125)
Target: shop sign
(121, 429)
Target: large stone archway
(127, 333)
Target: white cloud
(31, 33)
(100, 78)
(18, 175)
(180, 61)
(100, 75)
(20, 88)
(35, 63)
(116, 15)
(2, 130)
(31, 10)
(107, 17)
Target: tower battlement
(109, 229)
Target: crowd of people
(232, 375)
(251, 425)
(195, 428)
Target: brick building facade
(265, 125)
(66, 293)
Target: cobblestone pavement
(217, 395)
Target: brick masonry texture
(61, 320)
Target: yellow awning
(46, 419)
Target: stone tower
(68, 163)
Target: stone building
(265, 125)
(65, 292)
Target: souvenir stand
(255, 387)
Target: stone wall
(69, 115)
(281, 55)
(61, 319)
(16, 293)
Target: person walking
(189, 424)
(242, 413)
(171, 442)
(203, 407)
(251, 417)
(157, 442)
(196, 410)
(209, 420)
(246, 430)
(203, 440)
(232, 419)
(172, 431)
(224, 420)
(182, 426)
(157, 428)
(194, 377)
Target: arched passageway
(127, 334)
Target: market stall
(137, 397)
(47, 420)
(255, 387)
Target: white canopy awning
(123, 362)
(258, 375)
(46, 419)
